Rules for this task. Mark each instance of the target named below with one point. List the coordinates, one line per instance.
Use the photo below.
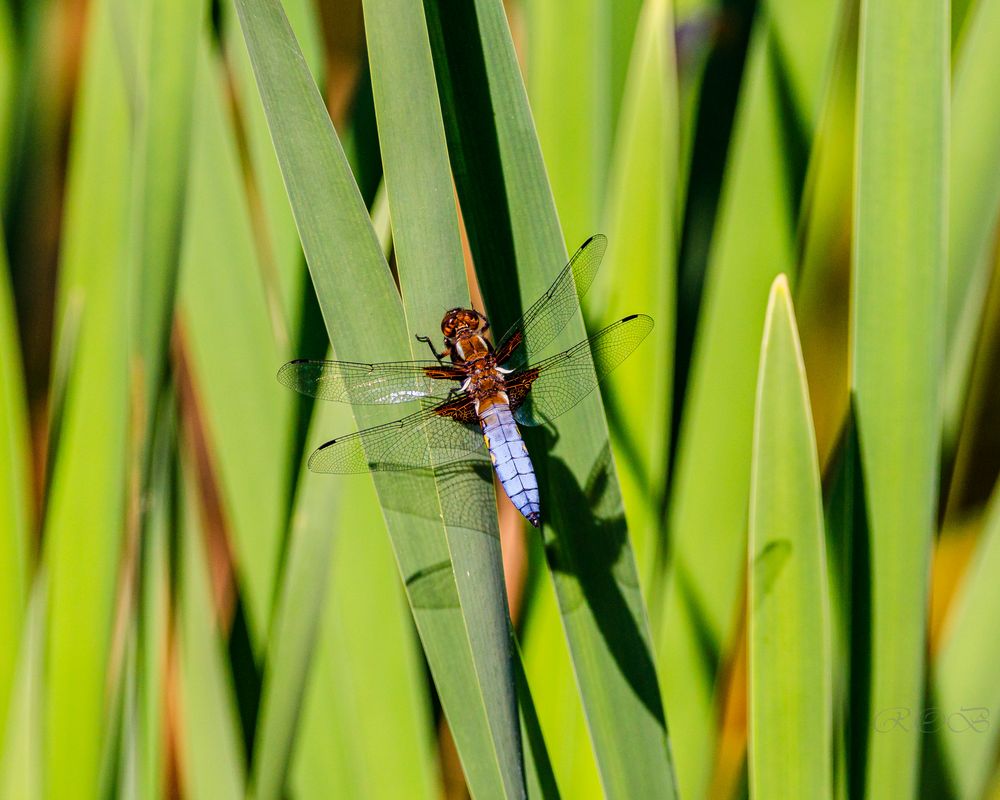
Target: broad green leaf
(964, 689)
(899, 252)
(228, 334)
(86, 509)
(332, 220)
(754, 240)
(516, 240)
(211, 755)
(789, 613)
(21, 746)
(974, 200)
(638, 275)
(16, 513)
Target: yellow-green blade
(16, 517)
(233, 351)
(568, 57)
(211, 755)
(822, 292)
(789, 614)
(366, 693)
(22, 746)
(165, 50)
(10, 72)
(973, 200)
(153, 631)
(965, 689)
(898, 333)
(638, 274)
(277, 242)
(753, 241)
(85, 515)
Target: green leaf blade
(16, 517)
(85, 520)
(964, 682)
(639, 274)
(973, 201)
(789, 617)
(899, 251)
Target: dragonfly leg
(427, 340)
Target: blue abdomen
(510, 460)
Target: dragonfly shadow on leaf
(589, 558)
(768, 565)
(464, 499)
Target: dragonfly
(474, 393)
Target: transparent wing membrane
(548, 315)
(423, 439)
(555, 385)
(369, 384)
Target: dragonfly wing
(427, 438)
(370, 384)
(555, 385)
(546, 318)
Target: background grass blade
(229, 338)
(639, 272)
(154, 622)
(509, 212)
(571, 101)
(753, 241)
(298, 611)
(16, 513)
(84, 522)
(964, 685)
(822, 295)
(318, 181)
(166, 48)
(366, 695)
(899, 250)
(326, 649)
(212, 765)
(789, 612)
(275, 235)
(974, 201)
(21, 759)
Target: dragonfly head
(462, 320)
